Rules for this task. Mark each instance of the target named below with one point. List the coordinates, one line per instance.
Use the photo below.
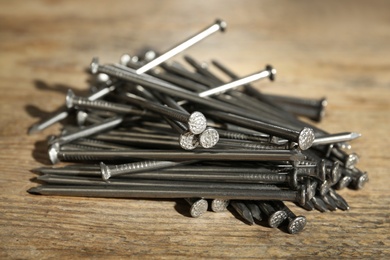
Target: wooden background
(337, 49)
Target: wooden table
(340, 50)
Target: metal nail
(198, 206)
(295, 223)
(275, 217)
(219, 205)
(56, 155)
(128, 168)
(89, 130)
(243, 211)
(164, 192)
(218, 25)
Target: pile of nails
(157, 129)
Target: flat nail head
(188, 141)
(209, 138)
(363, 179)
(222, 24)
(81, 117)
(219, 205)
(351, 160)
(198, 208)
(277, 218)
(297, 225)
(94, 66)
(69, 99)
(197, 123)
(306, 138)
(272, 72)
(106, 174)
(54, 148)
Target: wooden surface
(337, 49)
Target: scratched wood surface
(337, 49)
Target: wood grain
(337, 49)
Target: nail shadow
(182, 207)
(58, 87)
(37, 112)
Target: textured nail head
(277, 218)
(296, 225)
(197, 123)
(306, 138)
(188, 141)
(198, 208)
(219, 205)
(209, 138)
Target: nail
(163, 192)
(269, 72)
(319, 204)
(218, 25)
(275, 217)
(196, 121)
(329, 202)
(128, 168)
(155, 84)
(145, 180)
(313, 113)
(188, 141)
(302, 106)
(348, 160)
(295, 223)
(242, 136)
(254, 209)
(89, 130)
(62, 114)
(279, 155)
(194, 77)
(359, 178)
(139, 142)
(340, 202)
(209, 138)
(343, 182)
(198, 206)
(243, 211)
(73, 171)
(219, 205)
(201, 68)
(79, 102)
(303, 138)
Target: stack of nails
(153, 128)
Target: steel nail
(219, 205)
(198, 206)
(275, 217)
(243, 211)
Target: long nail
(219, 25)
